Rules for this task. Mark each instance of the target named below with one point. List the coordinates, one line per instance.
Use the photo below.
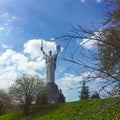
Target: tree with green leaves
(84, 94)
(43, 96)
(25, 90)
(60, 97)
(95, 95)
(5, 101)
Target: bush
(60, 97)
(42, 97)
(5, 101)
(95, 96)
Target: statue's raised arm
(58, 49)
(42, 48)
(43, 51)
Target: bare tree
(25, 90)
(103, 61)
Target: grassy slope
(80, 110)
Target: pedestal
(52, 91)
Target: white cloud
(5, 46)
(70, 83)
(14, 18)
(7, 18)
(82, 0)
(89, 43)
(2, 28)
(7, 76)
(71, 80)
(6, 57)
(30, 61)
(6, 23)
(3, 15)
(98, 1)
(32, 47)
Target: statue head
(50, 52)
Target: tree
(5, 101)
(60, 97)
(84, 94)
(109, 54)
(25, 90)
(115, 92)
(42, 97)
(103, 61)
(95, 96)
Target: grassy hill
(79, 110)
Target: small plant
(84, 94)
(60, 97)
(95, 96)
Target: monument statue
(50, 63)
(50, 72)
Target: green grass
(79, 110)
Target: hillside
(79, 110)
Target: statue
(50, 73)
(50, 63)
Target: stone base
(52, 91)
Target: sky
(24, 23)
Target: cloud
(14, 18)
(6, 22)
(87, 43)
(90, 42)
(82, 0)
(6, 18)
(29, 61)
(7, 76)
(2, 28)
(32, 47)
(97, 1)
(4, 15)
(70, 83)
(6, 46)
(71, 80)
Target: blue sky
(24, 23)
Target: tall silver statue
(50, 73)
(50, 63)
